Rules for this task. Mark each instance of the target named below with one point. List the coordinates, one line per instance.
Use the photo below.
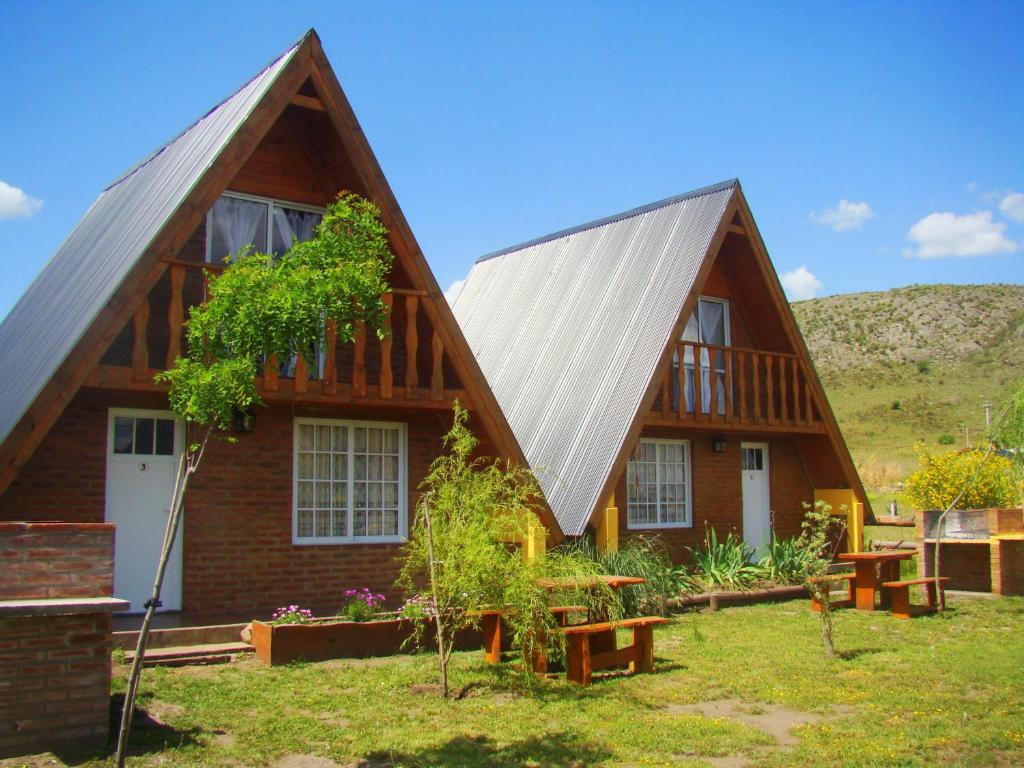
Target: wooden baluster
(665, 403)
(301, 383)
(742, 357)
(175, 314)
(796, 390)
(681, 412)
(698, 384)
(270, 373)
(437, 371)
(359, 362)
(330, 381)
(755, 372)
(713, 382)
(140, 345)
(808, 403)
(728, 385)
(783, 399)
(412, 378)
(386, 377)
(770, 388)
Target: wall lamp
(245, 421)
(718, 444)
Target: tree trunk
(439, 619)
(128, 710)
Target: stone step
(205, 653)
(171, 637)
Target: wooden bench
(899, 592)
(851, 591)
(490, 625)
(580, 662)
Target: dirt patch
(32, 761)
(334, 719)
(222, 738)
(774, 719)
(305, 761)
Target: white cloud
(800, 284)
(14, 203)
(453, 291)
(1013, 206)
(947, 234)
(846, 215)
(971, 187)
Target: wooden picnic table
(873, 568)
(615, 582)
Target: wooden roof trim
(58, 392)
(637, 424)
(343, 118)
(796, 339)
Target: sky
(879, 145)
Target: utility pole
(967, 435)
(988, 413)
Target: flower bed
(323, 639)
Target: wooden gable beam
(58, 392)
(308, 102)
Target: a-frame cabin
(655, 378)
(317, 498)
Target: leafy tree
(461, 548)
(818, 542)
(258, 309)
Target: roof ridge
(734, 182)
(156, 153)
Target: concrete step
(172, 637)
(182, 655)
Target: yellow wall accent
(845, 497)
(535, 540)
(607, 538)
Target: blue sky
(866, 136)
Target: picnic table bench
(851, 591)
(490, 626)
(899, 593)
(581, 661)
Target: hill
(914, 363)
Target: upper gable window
(269, 226)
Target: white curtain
(290, 224)
(712, 362)
(237, 223)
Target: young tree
(819, 541)
(261, 309)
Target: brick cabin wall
(54, 670)
(237, 552)
(717, 489)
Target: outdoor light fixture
(718, 443)
(245, 421)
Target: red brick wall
(45, 560)
(237, 554)
(1008, 567)
(717, 493)
(968, 566)
(54, 682)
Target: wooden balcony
(395, 370)
(734, 388)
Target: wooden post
(643, 648)
(330, 381)
(728, 384)
(681, 378)
(412, 378)
(175, 313)
(743, 386)
(698, 384)
(783, 400)
(359, 362)
(807, 401)
(770, 388)
(665, 403)
(270, 372)
(301, 383)
(713, 376)
(386, 376)
(437, 371)
(755, 372)
(578, 659)
(140, 345)
(796, 389)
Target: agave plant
(725, 564)
(786, 562)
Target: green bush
(724, 564)
(942, 476)
(786, 561)
(946, 440)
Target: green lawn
(931, 691)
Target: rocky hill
(914, 363)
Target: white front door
(143, 448)
(757, 523)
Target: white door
(143, 448)
(757, 523)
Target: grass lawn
(747, 686)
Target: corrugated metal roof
(82, 276)
(569, 328)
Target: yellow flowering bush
(942, 476)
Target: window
(143, 436)
(269, 226)
(349, 482)
(658, 485)
(709, 324)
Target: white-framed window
(268, 225)
(349, 482)
(658, 485)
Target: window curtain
(712, 362)
(290, 225)
(237, 223)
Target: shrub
(942, 476)
(946, 440)
(895, 405)
(786, 561)
(725, 564)
(923, 366)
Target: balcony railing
(731, 385)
